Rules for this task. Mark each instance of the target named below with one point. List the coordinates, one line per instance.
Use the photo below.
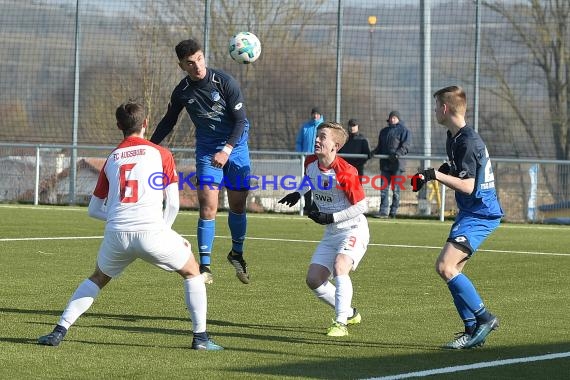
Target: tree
(540, 28)
(281, 106)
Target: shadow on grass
(312, 355)
(397, 366)
(249, 331)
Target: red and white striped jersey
(335, 188)
(132, 180)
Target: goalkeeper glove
(445, 168)
(321, 217)
(419, 179)
(290, 199)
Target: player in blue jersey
(215, 104)
(470, 174)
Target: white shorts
(349, 241)
(166, 249)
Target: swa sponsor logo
(322, 198)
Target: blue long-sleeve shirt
(305, 141)
(216, 107)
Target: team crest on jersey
(215, 96)
(324, 182)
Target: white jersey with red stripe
(335, 188)
(132, 181)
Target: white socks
(79, 303)
(343, 297)
(87, 291)
(339, 297)
(326, 293)
(196, 301)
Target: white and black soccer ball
(245, 47)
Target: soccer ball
(245, 47)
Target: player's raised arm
(168, 121)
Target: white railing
(522, 194)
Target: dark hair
(187, 48)
(130, 116)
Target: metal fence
(66, 64)
(40, 174)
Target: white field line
(459, 368)
(408, 375)
(52, 238)
(281, 216)
(404, 246)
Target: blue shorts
(235, 174)
(470, 231)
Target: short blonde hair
(339, 133)
(454, 97)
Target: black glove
(419, 179)
(321, 217)
(290, 199)
(445, 168)
(393, 157)
(313, 207)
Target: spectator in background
(393, 141)
(356, 144)
(305, 142)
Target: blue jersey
(469, 158)
(216, 107)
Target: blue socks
(238, 227)
(465, 313)
(206, 232)
(467, 301)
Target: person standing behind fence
(305, 142)
(470, 174)
(356, 144)
(214, 102)
(393, 140)
(137, 226)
